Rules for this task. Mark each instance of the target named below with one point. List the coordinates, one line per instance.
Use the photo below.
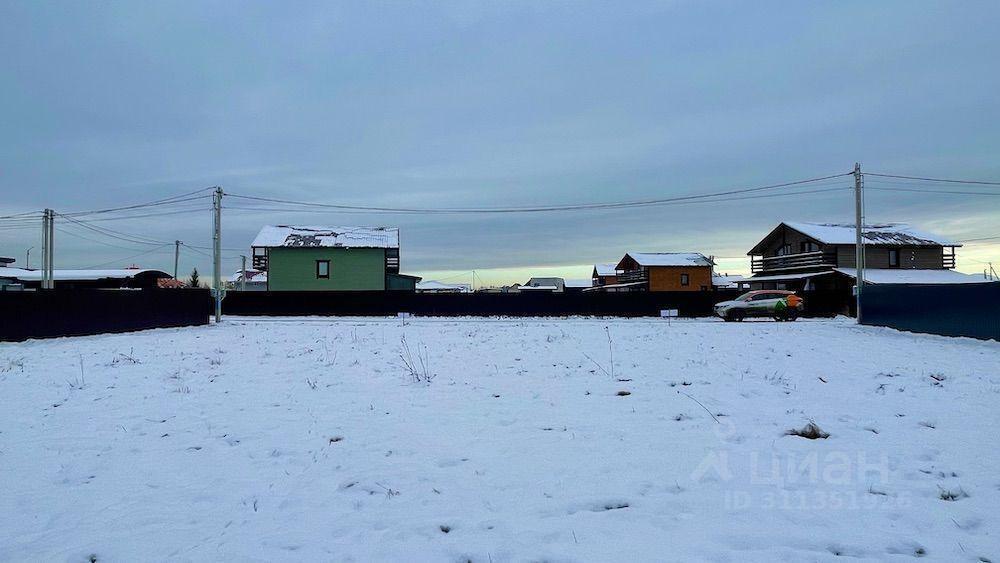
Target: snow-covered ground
(310, 440)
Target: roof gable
(604, 270)
(893, 234)
(666, 259)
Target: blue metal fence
(950, 310)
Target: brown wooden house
(666, 271)
(804, 256)
(604, 274)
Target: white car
(777, 304)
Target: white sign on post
(668, 313)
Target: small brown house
(666, 271)
(604, 274)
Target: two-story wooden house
(299, 258)
(665, 271)
(804, 256)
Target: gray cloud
(463, 104)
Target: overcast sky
(494, 104)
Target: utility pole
(47, 247)
(217, 252)
(859, 245)
(177, 256)
(243, 276)
(27, 259)
(52, 248)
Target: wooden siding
(351, 269)
(668, 278)
(910, 257)
(787, 236)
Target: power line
(159, 249)
(141, 216)
(921, 178)
(210, 248)
(684, 201)
(168, 201)
(26, 214)
(931, 191)
(914, 184)
(980, 239)
(79, 236)
(572, 207)
(196, 251)
(127, 237)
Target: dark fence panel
(77, 312)
(950, 310)
(377, 303)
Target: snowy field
(505, 440)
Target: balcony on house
(947, 258)
(632, 276)
(260, 259)
(800, 261)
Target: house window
(322, 269)
(808, 246)
(893, 257)
(685, 279)
(785, 250)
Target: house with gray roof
(805, 256)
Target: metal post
(859, 245)
(27, 259)
(217, 253)
(177, 256)
(243, 276)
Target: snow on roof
(579, 283)
(539, 288)
(598, 288)
(605, 269)
(75, 275)
(546, 281)
(877, 233)
(348, 237)
(914, 276)
(252, 276)
(726, 281)
(434, 285)
(669, 258)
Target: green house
(330, 259)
